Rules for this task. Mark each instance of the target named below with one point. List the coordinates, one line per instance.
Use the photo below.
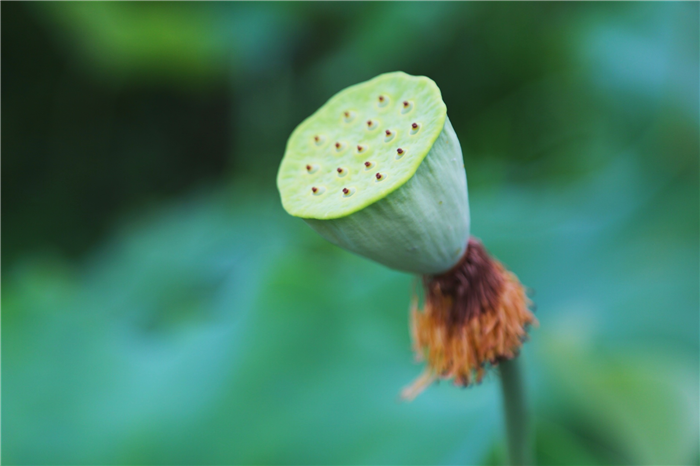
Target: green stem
(517, 425)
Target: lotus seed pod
(378, 170)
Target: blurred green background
(160, 307)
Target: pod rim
(288, 192)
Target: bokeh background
(160, 307)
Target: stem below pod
(516, 415)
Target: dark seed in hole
(346, 190)
(369, 122)
(359, 148)
(340, 170)
(316, 138)
(337, 145)
(308, 167)
(314, 189)
(399, 150)
(388, 133)
(414, 125)
(367, 164)
(379, 176)
(405, 103)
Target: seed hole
(372, 124)
(311, 168)
(348, 116)
(400, 153)
(407, 106)
(389, 135)
(415, 127)
(361, 149)
(380, 176)
(319, 139)
(369, 165)
(382, 101)
(317, 190)
(341, 171)
(347, 192)
(339, 146)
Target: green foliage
(204, 325)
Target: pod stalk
(516, 413)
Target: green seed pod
(378, 170)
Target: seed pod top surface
(363, 144)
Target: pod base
(474, 316)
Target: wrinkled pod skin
(423, 226)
